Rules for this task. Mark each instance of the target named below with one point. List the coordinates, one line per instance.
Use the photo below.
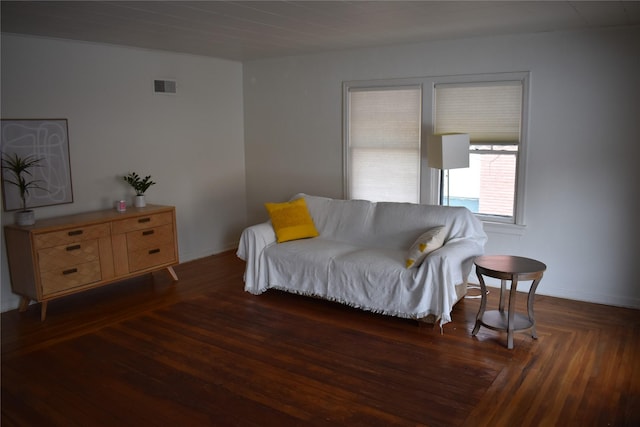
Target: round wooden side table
(513, 268)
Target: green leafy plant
(139, 184)
(20, 173)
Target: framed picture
(44, 139)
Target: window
(491, 113)
(382, 140)
(383, 137)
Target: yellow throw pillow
(291, 220)
(428, 242)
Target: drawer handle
(73, 248)
(70, 271)
(142, 220)
(154, 251)
(147, 233)
(75, 233)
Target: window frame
(523, 77)
(385, 84)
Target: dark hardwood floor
(201, 352)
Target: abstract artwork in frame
(44, 139)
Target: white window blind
(490, 112)
(384, 143)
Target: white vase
(24, 218)
(139, 202)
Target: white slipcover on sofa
(359, 257)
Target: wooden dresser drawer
(142, 222)
(62, 257)
(70, 235)
(152, 257)
(59, 280)
(150, 238)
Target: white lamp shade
(448, 151)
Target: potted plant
(140, 186)
(19, 175)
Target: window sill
(502, 228)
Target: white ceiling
(246, 30)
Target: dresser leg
(43, 311)
(24, 304)
(172, 273)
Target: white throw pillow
(428, 242)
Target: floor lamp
(448, 151)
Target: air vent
(164, 86)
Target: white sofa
(359, 257)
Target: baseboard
(590, 297)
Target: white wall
(191, 143)
(582, 180)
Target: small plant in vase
(140, 186)
(19, 175)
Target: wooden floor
(203, 352)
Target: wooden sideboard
(64, 255)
